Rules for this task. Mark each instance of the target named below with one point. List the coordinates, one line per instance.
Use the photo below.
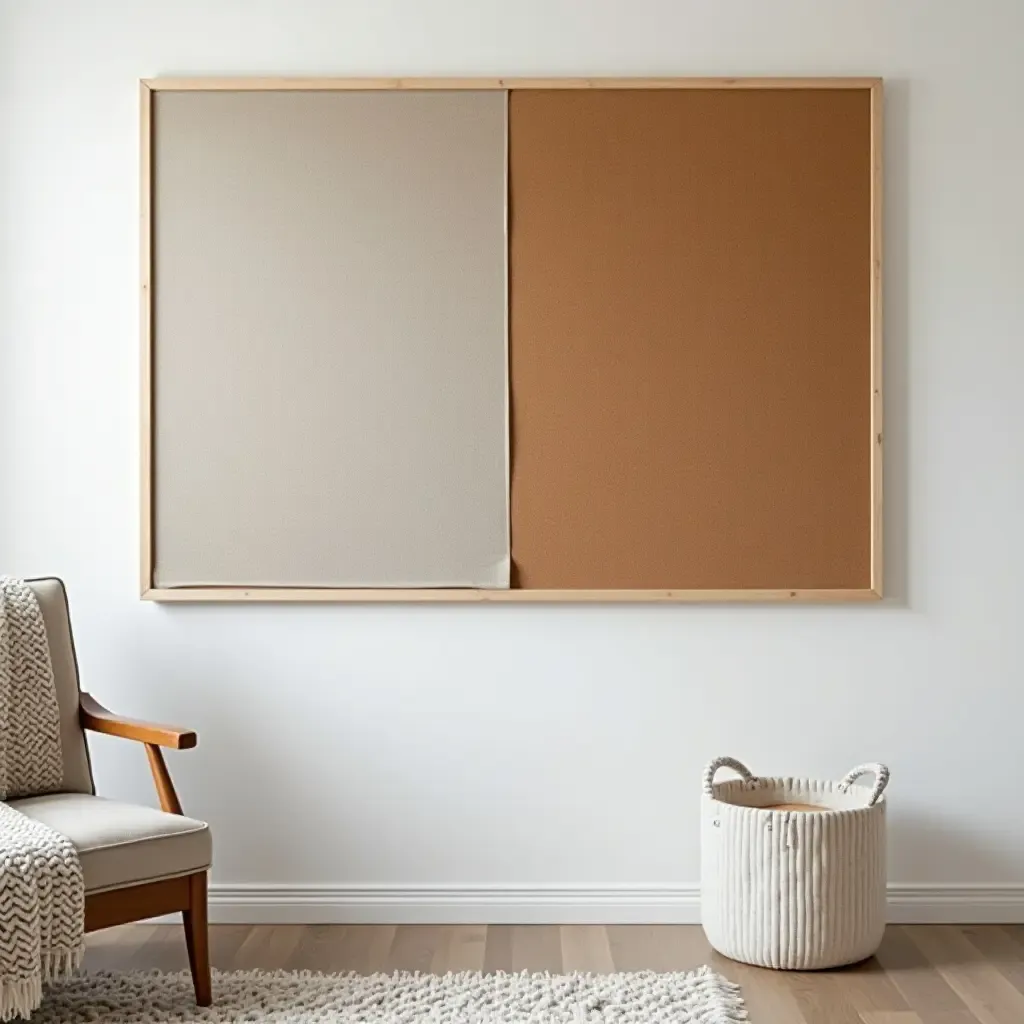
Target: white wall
(538, 746)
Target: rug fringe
(726, 1001)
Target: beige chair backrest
(53, 602)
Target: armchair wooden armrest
(96, 717)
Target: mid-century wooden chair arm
(96, 717)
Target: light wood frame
(332, 594)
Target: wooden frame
(186, 893)
(330, 594)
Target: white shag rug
(302, 997)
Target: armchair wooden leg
(197, 938)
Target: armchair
(137, 862)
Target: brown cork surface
(689, 276)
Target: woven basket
(793, 889)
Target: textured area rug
(301, 997)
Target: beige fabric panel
(330, 356)
(690, 338)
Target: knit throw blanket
(42, 896)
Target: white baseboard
(956, 904)
(470, 904)
(453, 904)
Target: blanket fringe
(19, 997)
(58, 964)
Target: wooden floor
(922, 974)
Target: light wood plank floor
(921, 975)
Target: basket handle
(880, 772)
(726, 762)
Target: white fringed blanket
(42, 896)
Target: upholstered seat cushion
(122, 844)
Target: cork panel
(690, 338)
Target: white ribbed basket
(794, 890)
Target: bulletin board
(511, 340)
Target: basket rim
(740, 785)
